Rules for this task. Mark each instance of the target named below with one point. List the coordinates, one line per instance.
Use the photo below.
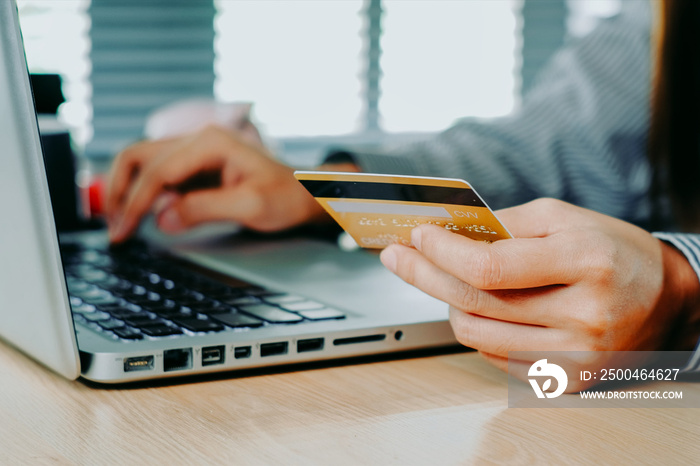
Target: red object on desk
(95, 196)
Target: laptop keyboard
(129, 293)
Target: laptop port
(273, 349)
(139, 363)
(309, 344)
(242, 352)
(177, 359)
(361, 339)
(212, 355)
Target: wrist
(680, 297)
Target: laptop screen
(34, 310)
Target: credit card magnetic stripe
(392, 192)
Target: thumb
(540, 218)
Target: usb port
(242, 352)
(273, 349)
(309, 344)
(212, 355)
(139, 363)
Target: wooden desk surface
(446, 409)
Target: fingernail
(170, 221)
(163, 202)
(416, 237)
(111, 234)
(388, 258)
(114, 227)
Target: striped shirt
(579, 136)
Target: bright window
(584, 15)
(56, 41)
(302, 63)
(443, 60)
(297, 61)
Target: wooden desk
(446, 409)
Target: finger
(413, 268)
(211, 205)
(535, 219)
(507, 264)
(518, 365)
(518, 368)
(498, 361)
(194, 156)
(125, 164)
(123, 168)
(497, 337)
(526, 306)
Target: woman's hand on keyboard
(210, 175)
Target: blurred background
(318, 73)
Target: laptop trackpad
(315, 268)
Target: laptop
(167, 307)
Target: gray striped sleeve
(689, 245)
(580, 135)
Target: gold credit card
(379, 210)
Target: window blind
(149, 53)
(372, 34)
(145, 54)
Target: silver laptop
(165, 307)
